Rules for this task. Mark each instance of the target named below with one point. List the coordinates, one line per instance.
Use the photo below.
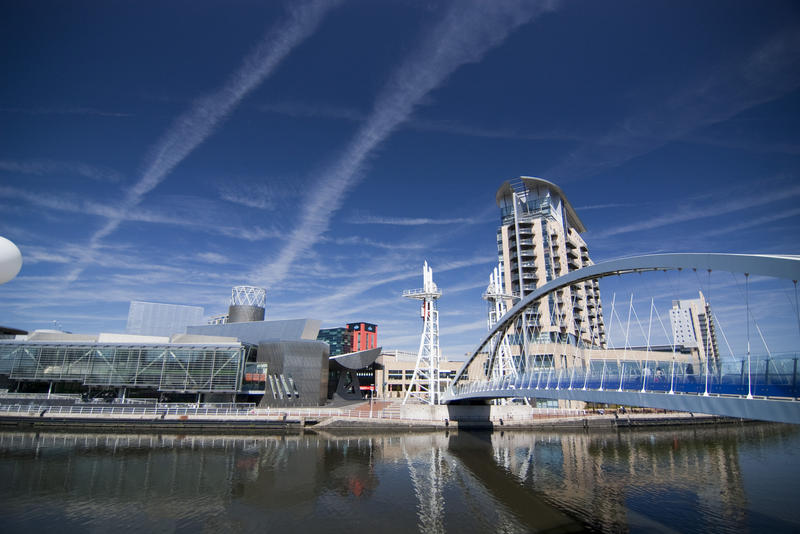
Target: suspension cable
(747, 306)
(796, 304)
(672, 377)
(626, 346)
(708, 327)
(722, 331)
(647, 341)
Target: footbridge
(744, 383)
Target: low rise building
(394, 371)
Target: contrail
(467, 32)
(198, 123)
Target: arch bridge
(763, 388)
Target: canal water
(731, 478)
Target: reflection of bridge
(743, 386)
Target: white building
(693, 327)
(539, 240)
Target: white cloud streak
(366, 242)
(607, 206)
(768, 72)
(207, 224)
(213, 257)
(467, 32)
(324, 111)
(66, 111)
(411, 221)
(753, 223)
(45, 166)
(197, 124)
(701, 212)
(262, 196)
(365, 282)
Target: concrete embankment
(183, 423)
(405, 418)
(600, 422)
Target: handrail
(771, 378)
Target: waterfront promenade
(361, 415)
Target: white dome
(10, 260)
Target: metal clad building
(257, 331)
(156, 319)
(297, 372)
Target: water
(722, 479)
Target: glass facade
(173, 368)
(340, 340)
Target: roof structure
(532, 182)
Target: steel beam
(774, 410)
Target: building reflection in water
(633, 479)
(681, 479)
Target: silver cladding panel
(256, 332)
(301, 364)
(155, 319)
(242, 313)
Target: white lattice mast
(249, 296)
(426, 382)
(503, 364)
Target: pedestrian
(659, 374)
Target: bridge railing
(777, 376)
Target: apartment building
(538, 240)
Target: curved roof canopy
(533, 183)
(357, 360)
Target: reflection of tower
(501, 363)
(247, 304)
(425, 384)
(574, 468)
(428, 489)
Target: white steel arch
(777, 266)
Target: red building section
(365, 336)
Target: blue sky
(324, 150)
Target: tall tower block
(539, 240)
